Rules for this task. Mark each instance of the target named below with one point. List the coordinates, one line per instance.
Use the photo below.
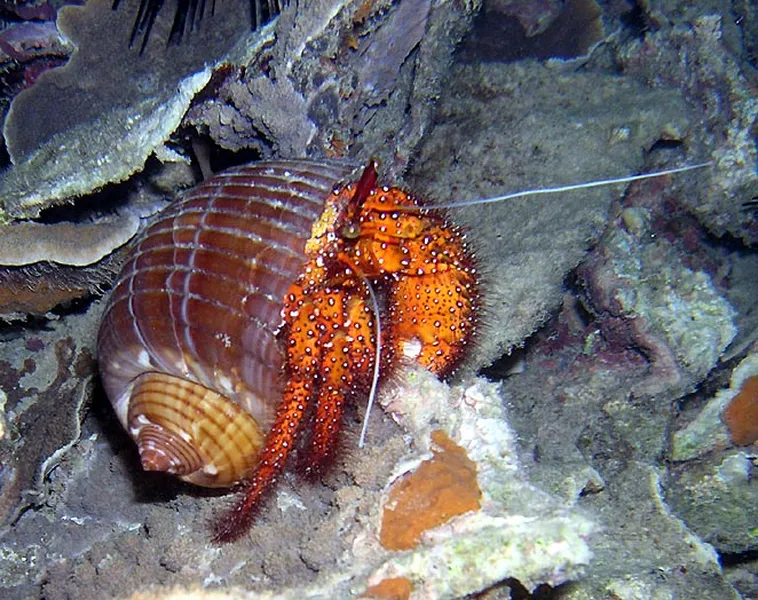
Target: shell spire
(190, 431)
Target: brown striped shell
(188, 347)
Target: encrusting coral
(710, 433)
(516, 529)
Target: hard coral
(67, 243)
(441, 488)
(133, 103)
(348, 76)
(741, 416)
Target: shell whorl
(188, 347)
(191, 431)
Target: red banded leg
(348, 353)
(237, 521)
(303, 362)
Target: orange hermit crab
(251, 298)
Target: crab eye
(350, 231)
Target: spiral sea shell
(188, 347)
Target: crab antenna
(377, 360)
(564, 188)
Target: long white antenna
(377, 360)
(463, 203)
(560, 189)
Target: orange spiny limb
(441, 318)
(303, 360)
(327, 421)
(236, 522)
(347, 356)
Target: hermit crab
(267, 297)
(255, 300)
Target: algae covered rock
(718, 499)
(675, 314)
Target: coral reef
(28, 49)
(717, 500)
(76, 244)
(518, 530)
(510, 31)
(726, 419)
(77, 252)
(37, 426)
(359, 84)
(131, 98)
(711, 487)
(325, 81)
(747, 19)
(36, 290)
(582, 437)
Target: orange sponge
(439, 489)
(397, 588)
(741, 416)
